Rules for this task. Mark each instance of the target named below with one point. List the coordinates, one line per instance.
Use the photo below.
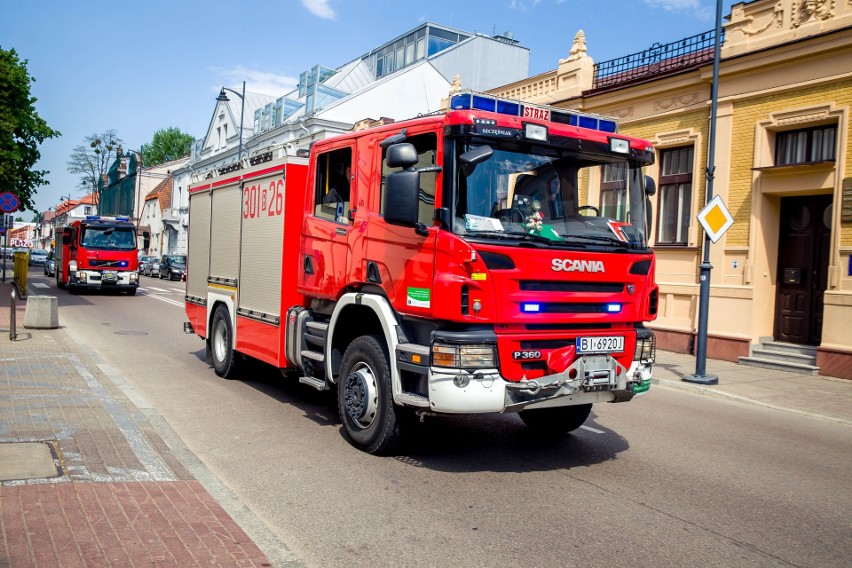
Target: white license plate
(602, 344)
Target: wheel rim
(220, 341)
(361, 396)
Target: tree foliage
(168, 144)
(22, 130)
(92, 158)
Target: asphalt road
(671, 479)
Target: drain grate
(130, 332)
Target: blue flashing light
(460, 102)
(531, 308)
(123, 263)
(122, 218)
(613, 308)
(484, 103)
(506, 107)
(607, 125)
(92, 217)
(589, 122)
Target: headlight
(72, 266)
(463, 356)
(646, 349)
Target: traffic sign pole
(701, 376)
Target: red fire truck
(493, 258)
(98, 253)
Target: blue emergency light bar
(102, 218)
(471, 100)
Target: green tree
(92, 158)
(168, 144)
(22, 130)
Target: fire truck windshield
(112, 238)
(555, 198)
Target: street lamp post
(701, 377)
(224, 98)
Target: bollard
(13, 334)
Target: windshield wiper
(602, 238)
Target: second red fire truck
(98, 252)
(491, 259)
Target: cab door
(327, 230)
(399, 259)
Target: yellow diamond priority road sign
(715, 218)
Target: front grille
(584, 287)
(115, 263)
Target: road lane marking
(166, 300)
(590, 429)
(39, 285)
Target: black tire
(131, 292)
(365, 397)
(220, 343)
(557, 420)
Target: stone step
(784, 356)
(775, 365)
(784, 347)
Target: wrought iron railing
(656, 60)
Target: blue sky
(137, 67)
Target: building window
(675, 206)
(614, 192)
(805, 146)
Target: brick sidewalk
(120, 497)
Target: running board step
(318, 384)
(412, 399)
(313, 356)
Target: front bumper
(91, 279)
(589, 379)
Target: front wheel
(221, 341)
(365, 397)
(557, 420)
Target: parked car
(37, 257)
(173, 266)
(50, 264)
(152, 267)
(143, 261)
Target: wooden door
(803, 250)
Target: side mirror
(650, 186)
(402, 155)
(472, 157)
(403, 189)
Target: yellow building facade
(782, 273)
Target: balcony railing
(656, 60)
